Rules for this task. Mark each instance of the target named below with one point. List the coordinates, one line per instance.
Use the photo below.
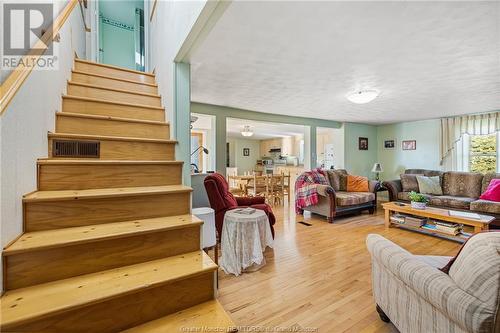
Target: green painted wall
(222, 113)
(360, 162)
(244, 163)
(426, 156)
(118, 45)
(182, 104)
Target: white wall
(333, 136)
(25, 123)
(171, 24)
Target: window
(483, 153)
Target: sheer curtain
(455, 135)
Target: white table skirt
(244, 239)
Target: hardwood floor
(318, 278)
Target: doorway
(121, 33)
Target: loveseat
(461, 191)
(334, 200)
(416, 295)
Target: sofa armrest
(325, 190)
(373, 185)
(429, 283)
(248, 201)
(393, 187)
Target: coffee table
(435, 214)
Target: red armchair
(221, 200)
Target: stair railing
(15, 80)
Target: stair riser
(31, 268)
(132, 150)
(112, 110)
(127, 311)
(73, 213)
(77, 125)
(112, 83)
(112, 72)
(113, 96)
(81, 177)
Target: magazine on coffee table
(467, 215)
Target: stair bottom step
(209, 316)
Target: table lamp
(377, 168)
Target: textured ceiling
(261, 130)
(428, 59)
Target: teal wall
(426, 156)
(360, 162)
(182, 103)
(244, 163)
(118, 45)
(222, 113)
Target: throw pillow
(492, 193)
(429, 185)
(334, 179)
(357, 184)
(409, 182)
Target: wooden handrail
(14, 81)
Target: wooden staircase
(109, 243)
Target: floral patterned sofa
(461, 191)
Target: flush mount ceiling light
(247, 131)
(363, 96)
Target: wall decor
(389, 144)
(246, 151)
(363, 143)
(409, 145)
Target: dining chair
(276, 189)
(258, 186)
(286, 185)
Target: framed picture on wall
(389, 144)
(363, 143)
(409, 145)
(246, 151)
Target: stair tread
(52, 161)
(41, 240)
(209, 314)
(114, 67)
(107, 101)
(98, 117)
(89, 85)
(103, 192)
(113, 78)
(35, 302)
(105, 137)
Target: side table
(243, 241)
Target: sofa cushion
(429, 185)
(409, 182)
(487, 179)
(485, 206)
(451, 201)
(357, 184)
(462, 184)
(404, 196)
(353, 198)
(338, 179)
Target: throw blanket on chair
(306, 192)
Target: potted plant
(418, 200)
